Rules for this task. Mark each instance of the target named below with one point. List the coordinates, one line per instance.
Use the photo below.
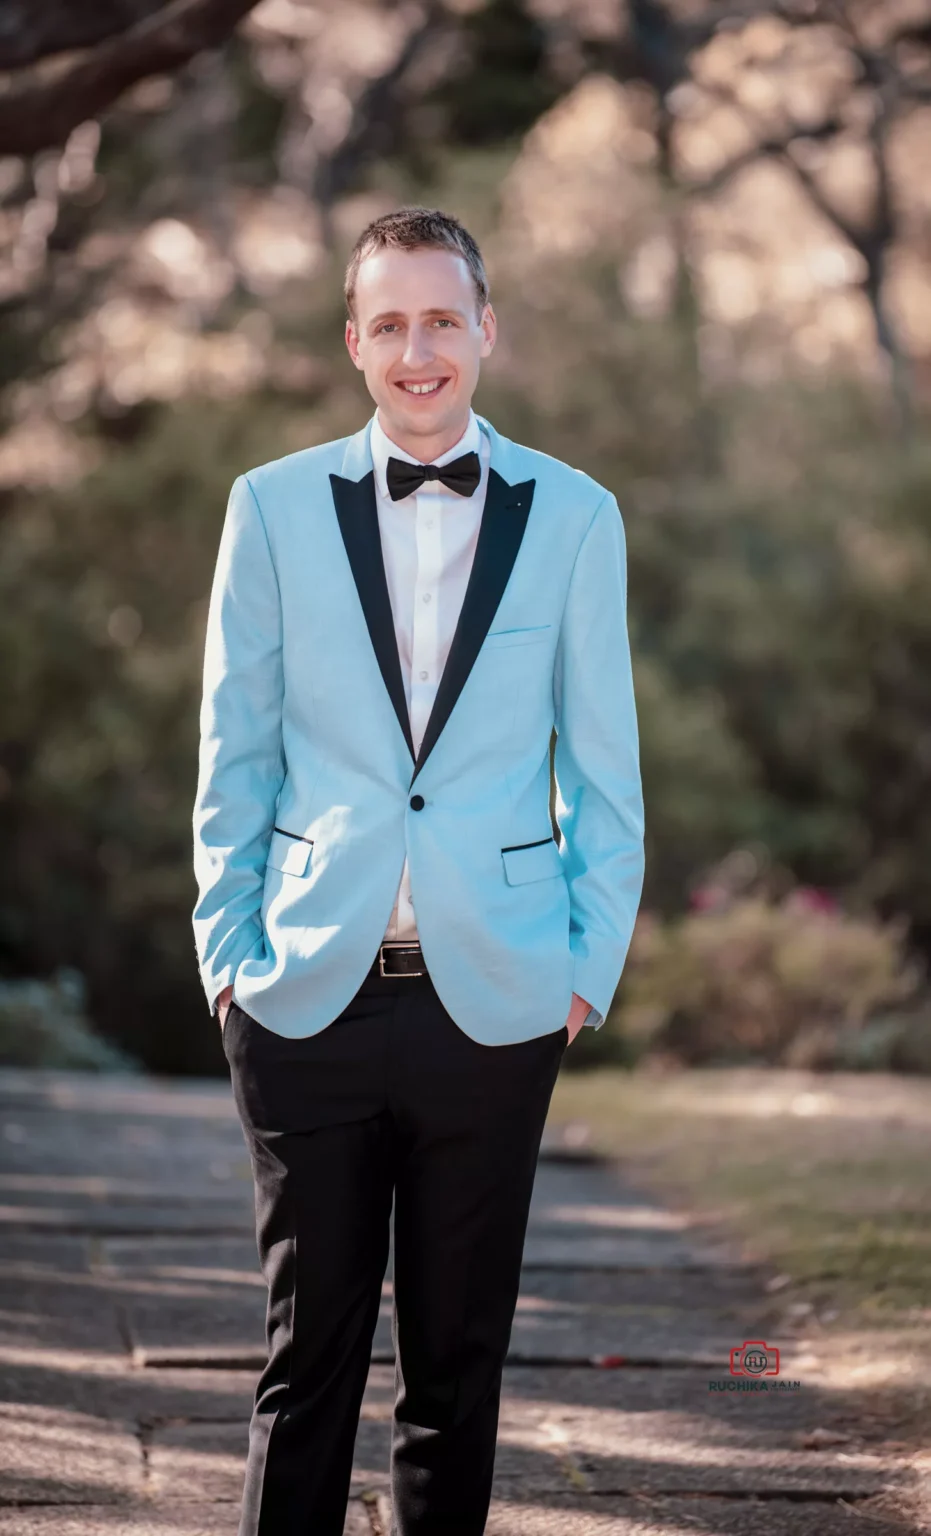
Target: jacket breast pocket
(531, 861)
(530, 636)
(289, 852)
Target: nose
(417, 350)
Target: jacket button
(417, 802)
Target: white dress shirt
(428, 544)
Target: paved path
(131, 1327)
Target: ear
(352, 343)
(489, 325)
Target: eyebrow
(397, 314)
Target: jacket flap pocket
(533, 861)
(290, 854)
(517, 636)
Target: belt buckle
(382, 950)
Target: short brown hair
(411, 229)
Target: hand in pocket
(223, 1004)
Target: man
(397, 948)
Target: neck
(425, 448)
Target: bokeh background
(707, 227)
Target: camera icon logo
(754, 1358)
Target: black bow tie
(461, 475)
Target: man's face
(419, 339)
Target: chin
(420, 419)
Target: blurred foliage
(790, 982)
(103, 594)
(898, 1041)
(800, 617)
(43, 1024)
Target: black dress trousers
(392, 1099)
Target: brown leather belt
(399, 960)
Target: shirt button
(426, 597)
(424, 676)
(429, 522)
(417, 802)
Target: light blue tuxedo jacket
(308, 786)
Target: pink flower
(811, 899)
(708, 898)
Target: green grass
(824, 1178)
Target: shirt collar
(383, 448)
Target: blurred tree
(123, 42)
(311, 101)
(828, 75)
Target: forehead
(412, 281)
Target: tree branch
(854, 236)
(41, 115)
(31, 30)
(763, 149)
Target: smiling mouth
(422, 389)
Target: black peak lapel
(504, 519)
(357, 514)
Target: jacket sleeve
(599, 799)
(241, 762)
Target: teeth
(423, 389)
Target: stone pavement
(131, 1329)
